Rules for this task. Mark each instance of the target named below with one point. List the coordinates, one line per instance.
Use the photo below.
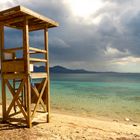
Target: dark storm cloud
(88, 44)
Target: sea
(113, 96)
(110, 96)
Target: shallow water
(104, 95)
(115, 96)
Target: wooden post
(27, 67)
(2, 79)
(14, 81)
(47, 90)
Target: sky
(97, 35)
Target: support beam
(16, 98)
(47, 90)
(36, 50)
(34, 60)
(37, 95)
(40, 97)
(2, 79)
(13, 50)
(27, 68)
(9, 20)
(18, 101)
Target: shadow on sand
(15, 123)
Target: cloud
(100, 42)
(127, 60)
(57, 42)
(6, 3)
(114, 52)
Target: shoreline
(74, 113)
(125, 120)
(64, 126)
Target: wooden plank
(10, 20)
(2, 80)
(25, 11)
(37, 94)
(14, 76)
(4, 114)
(36, 22)
(40, 97)
(47, 90)
(13, 49)
(1, 43)
(35, 50)
(29, 102)
(15, 27)
(15, 21)
(26, 46)
(40, 27)
(14, 84)
(35, 28)
(37, 60)
(25, 96)
(13, 66)
(10, 60)
(38, 75)
(15, 98)
(27, 69)
(17, 120)
(18, 101)
(17, 24)
(39, 87)
(38, 16)
(9, 11)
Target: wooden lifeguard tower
(16, 74)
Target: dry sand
(66, 127)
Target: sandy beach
(68, 127)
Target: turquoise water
(113, 96)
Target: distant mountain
(60, 69)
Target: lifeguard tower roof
(13, 17)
